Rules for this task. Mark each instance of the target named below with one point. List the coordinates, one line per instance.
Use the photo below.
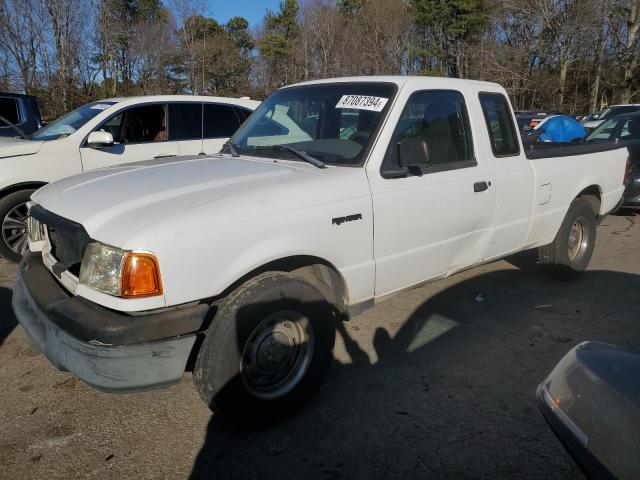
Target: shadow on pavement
(7, 319)
(452, 393)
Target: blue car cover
(560, 128)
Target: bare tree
(19, 32)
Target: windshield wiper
(15, 127)
(298, 153)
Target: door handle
(165, 155)
(481, 186)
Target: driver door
(139, 133)
(437, 218)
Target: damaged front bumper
(108, 350)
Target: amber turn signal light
(141, 276)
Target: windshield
(334, 123)
(618, 128)
(69, 123)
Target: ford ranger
(333, 195)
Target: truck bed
(537, 150)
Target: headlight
(119, 272)
(101, 268)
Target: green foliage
(350, 6)
(238, 30)
(132, 11)
(445, 25)
(460, 18)
(281, 30)
(203, 27)
(284, 20)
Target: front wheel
(570, 253)
(267, 349)
(13, 225)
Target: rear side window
(502, 132)
(440, 118)
(185, 121)
(9, 109)
(220, 121)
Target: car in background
(625, 130)
(556, 129)
(107, 133)
(528, 120)
(591, 400)
(589, 117)
(19, 115)
(612, 111)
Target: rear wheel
(267, 349)
(570, 253)
(13, 225)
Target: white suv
(104, 133)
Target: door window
(502, 133)
(142, 124)
(10, 110)
(186, 121)
(439, 118)
(220, 121)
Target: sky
(252, 10)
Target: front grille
(68, 239)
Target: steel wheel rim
(277, 355)
(578, 239)
(14, 228)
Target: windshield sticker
(100, 106)
(362, 102)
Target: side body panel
(560, 180)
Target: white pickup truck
(333, 195)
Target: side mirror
(99, 139)
(413, 152)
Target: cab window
(499, 121)
(439, 118)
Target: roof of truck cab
(244, 102)
(430, 82)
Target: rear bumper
(110, 351)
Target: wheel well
(317, 271)
(592, 195)
(21, 186)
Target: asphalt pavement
(437, 382)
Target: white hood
(114, 203)
(14, 147)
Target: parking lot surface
(437, 382)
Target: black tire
(242, 348)
(570, 253)
(8, 206)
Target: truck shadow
(449, 394)
(7, 319)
